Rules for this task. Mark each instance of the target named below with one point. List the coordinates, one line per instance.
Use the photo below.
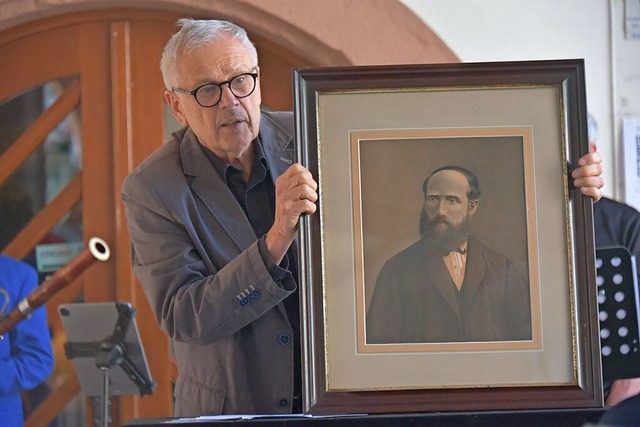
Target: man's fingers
(295, 176)
(593, 170)
(590, 158)
(295, 196)
(596, 182)
(300, 200)
(593, 192)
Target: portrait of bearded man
(448, 286)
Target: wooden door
(107, 98)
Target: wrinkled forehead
(448, 182)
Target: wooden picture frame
(371, 135)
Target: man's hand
(623, 389)
(587, 176)
(295, 195)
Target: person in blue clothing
(26, 356)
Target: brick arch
(327, 32)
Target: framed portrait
(450, 265)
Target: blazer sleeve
(30, 361)
(196, 296)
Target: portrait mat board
(554, 362)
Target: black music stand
(105, 346)
(619, 305)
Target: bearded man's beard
(445, 239)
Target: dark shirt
(616, 224)
(624, 414)
(256, 197)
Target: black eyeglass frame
(220, 85)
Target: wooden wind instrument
(97, 250)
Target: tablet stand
(111, 352)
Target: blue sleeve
(25, 351)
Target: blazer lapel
(213, 192)
(211, 189)
(277, 146)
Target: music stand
(104, 344)
(619, 306)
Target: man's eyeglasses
(209, 94)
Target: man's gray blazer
(197, 259)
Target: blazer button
(284, 403)
(284, 339)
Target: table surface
(532, 418)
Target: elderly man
(213, 218)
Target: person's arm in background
(27, 359)
(622, 389)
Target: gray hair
(195, 33)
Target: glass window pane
(45, 173)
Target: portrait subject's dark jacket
(415, 299)
(197, 258)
